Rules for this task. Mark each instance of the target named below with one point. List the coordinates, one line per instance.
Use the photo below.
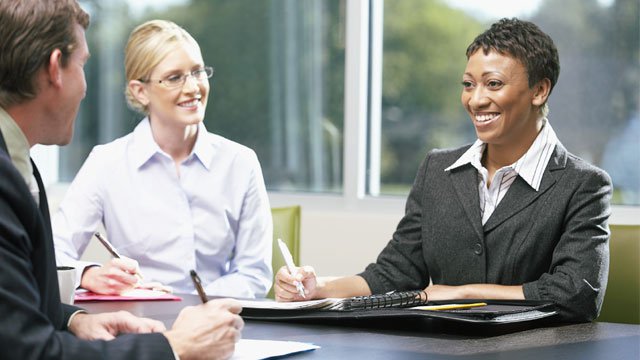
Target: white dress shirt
(214, 217)
(530, 167)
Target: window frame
(363, 53)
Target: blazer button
(477, 249)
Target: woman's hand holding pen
(114, 277)
(286, 285)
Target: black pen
(111, 249)
(198, 284)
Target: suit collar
(529, 166)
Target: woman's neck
(497, 156)
(176, 141)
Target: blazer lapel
(465, 181)
(520, 195)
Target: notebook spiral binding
(388, 300)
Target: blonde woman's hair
(148, 45)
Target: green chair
(286, 226)
(622, 299)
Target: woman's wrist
(321, 291)
(341, 287)
(85, 280)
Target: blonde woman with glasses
(171, 196)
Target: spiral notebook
(401, 305)
(393, 299)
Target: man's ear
(54, 69)
(139, 92)
(541, 92)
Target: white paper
(311, 304)
(247, 349)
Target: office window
(278, 86)
(593, 108)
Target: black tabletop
(422, 339)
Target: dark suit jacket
(554, 242)
(32, 319)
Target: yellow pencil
(449, 306)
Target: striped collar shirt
(529, 167)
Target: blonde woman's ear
(137, 96)
(138, 92)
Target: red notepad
(133, 295)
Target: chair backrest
(622, 299)
(286, 226)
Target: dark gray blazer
(33, 321)
(554, 242)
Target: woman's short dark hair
(524, 41)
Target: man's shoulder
(10, 174)
(15, 196)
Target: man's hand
(106, 326)
(209, 330)
(115, 277)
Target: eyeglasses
(174, 81)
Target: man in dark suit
(42, 54)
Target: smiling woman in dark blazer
(512, 216)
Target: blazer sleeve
(400, 265)
(577, 277)
(27, 330)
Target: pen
(450, 306)
(288, 259)
(111, 249)
(198, 284)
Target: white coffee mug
(67, 283)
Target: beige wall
(343, 243)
